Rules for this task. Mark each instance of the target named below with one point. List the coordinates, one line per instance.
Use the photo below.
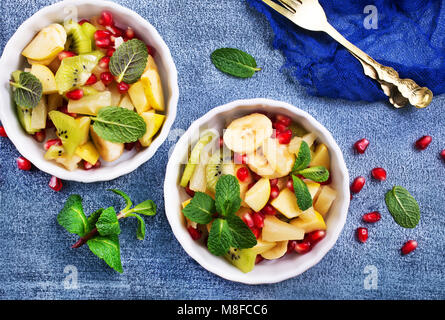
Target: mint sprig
(129, 61)
(234, 62)
(227, 230)
(403, 207)
(27, 90)
(101, 229)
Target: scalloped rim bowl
(12, 60)
(268, 271)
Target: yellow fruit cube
(153, 86)
(258, 195)
(84, 128)
(276, 230)
(153, 122)
(126, 103)
(109, 151)
(39, 115)
(46, 77)
(88, 153)
(309, 221)
(321, 157)
(47, 44)
(137, 95)
(325, 199)
(286, 203)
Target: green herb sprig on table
(100, 231)
(300, 168)
(228, 230)
(234, 62)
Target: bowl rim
(126, 166)
(190, 247)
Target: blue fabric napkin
(410, 37)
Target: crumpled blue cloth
(410, 37)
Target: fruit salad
(84, 97)
(279, 187)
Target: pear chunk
(277, 230)
(46, 77)
(153, 86)
(48, 43)
(325, 199)
(109, 151)
(258, 196)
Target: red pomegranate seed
(361, 145)
(248, 220)
(102, 34)
(409, 246)
(87, 165)
(97, 165)
(129, 33)
(315, 236)
(379, 174)
(329, 181)
(258, 219)
(357, 184)
(129, 146)
(362, 234)
(64, 109)
(23, 164)
(104, 62)
(258, 259)
(81, 22)
(279, 127)
(221, 142)
(115, 31)
(110, 52)
(240, 158)
(284, 137)
(255, 176)
(76, 94)
(53, 142)
(55, 184)
(3, 132)
(371, 217)
(290, 185)
(138, 146)
(194, 233)
(256, 232)
(242, 174)
(40, 136)
(442, 154)
(423, 142)
(66, 54)
(123, 87)
(151, 50)
(106, 18)
(291, 246)
(91, 80)
(104, 43)
(273, 182)
(285, 120)
(106, 78)
(303, 247)
(268, 209)
(274, 192)
(189, 191)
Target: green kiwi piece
(89, 30)
(243, 259)
(75, 71)
(218, 165)
(81, 42)
(24, 116)
(67, 131)
(54, 152)
(297, 131)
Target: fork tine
(280, 9)
(287, 5)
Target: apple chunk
(309, 221)
(286, 203)
(109, 151)
(153, 86)
(325, 199)
(47, 44)
(321, 157)
(46, 77)
(258, 196)
(276, 230)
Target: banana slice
(276, 252)
(278, 156)
(258, 163)
(245, 135)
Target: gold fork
(309, 14)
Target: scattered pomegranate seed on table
(55, 183)
(361, 145)
(357, 184)
(242, 174)
(409, 246)
(40, 136)
(194, 233)
(371, 217)
(442, 154)
(23, 164)
(423, 142)
(379, 174)
(106, 78)
(76, 94)
(3, 132)
(362, 234)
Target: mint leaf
(140, 231)
(242, 236)
(72, 216)
(403, 207)
(304, 198)
(107, 224)
(234, 62)
(220, 237)
(227, 196)
(129, 61)
(127, 199)
(92, 218)
(108, 249)
(317, 174)
(200, 209)
(119, 125)
(146, 208)
(304, 157)
(27, 91)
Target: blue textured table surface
(34, 249)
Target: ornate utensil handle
(420, 97)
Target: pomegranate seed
(102, 34)
(273, 182)
(106, 78)
(55, 184)
(123, 87)
(371, 217)
(284, 137)
(379, 174)
(303, 247)
(129, 33)
(255, 176)
(106, 18)
(3, 132)
(194, 233)
(279, 127)
(256, 232)
(274, 192)
(240, 158)
(87, 165)
(258, 259)
(248, 220)
(409, 246)
(291, 246)
(423, 142)
(242, 174)
(116, 32)
(138, 146)
(285, 120)
(357, 184)
(23, 164)
(268, 209)
(221, 142)
(442, 154)
(81, 22)
(290, 185)
(110, 52)
(76, 94)
(329, 181)
(91, 80)
(258, 219)
(53, 142)
(362, 234)
(65, 54)
(104, 62)
(315, 236)
(189, 191)
(97, 165)
(361, 145)
(104, 43)
(40, 136)
(151, 50)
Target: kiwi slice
(75, 71)
(218, 165)
(89, 30)
(297, 131)
(25, 118)
(67, 130)
(54, 152)
(243, 259)
(81, 42)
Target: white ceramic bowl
(12, 60)
(267, 271)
